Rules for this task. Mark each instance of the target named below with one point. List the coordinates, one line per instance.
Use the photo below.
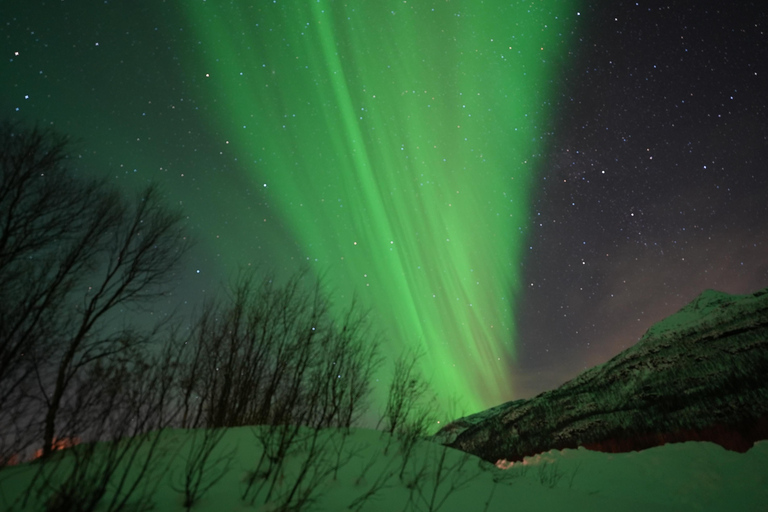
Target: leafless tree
(44, 213)
(142, 246)
(73, 253)
(274, 354)
(122, 406)
(406, 409)
(205, 464)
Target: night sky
(520, 189)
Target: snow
(709, 307)
(692, 476)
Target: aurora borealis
(396, 142)
(518, 189)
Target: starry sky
(518, 189)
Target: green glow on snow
(397, 143)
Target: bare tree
(142, 246)
(276, 355)
(43, 215)
(202, 469)
(73, 253)
(405, 409)
(125, 400)
(50, 225)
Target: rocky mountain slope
(700, 374)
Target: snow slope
(687, 476)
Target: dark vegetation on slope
(79, 265)
(89, 392)
(697, 375)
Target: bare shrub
(201, 470)
(437, 479)
(274, 355)
(125, 406)
(406, 411)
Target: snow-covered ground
(674, 477)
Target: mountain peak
(696, 375)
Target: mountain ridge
(695, 375)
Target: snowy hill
(694, 377)
(368, 471)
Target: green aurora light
(398, 143)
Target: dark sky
(643, 132)
(655, 181)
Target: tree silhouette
(274, 355)
(73, 252)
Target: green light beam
(398, 142)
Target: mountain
(700, 374)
